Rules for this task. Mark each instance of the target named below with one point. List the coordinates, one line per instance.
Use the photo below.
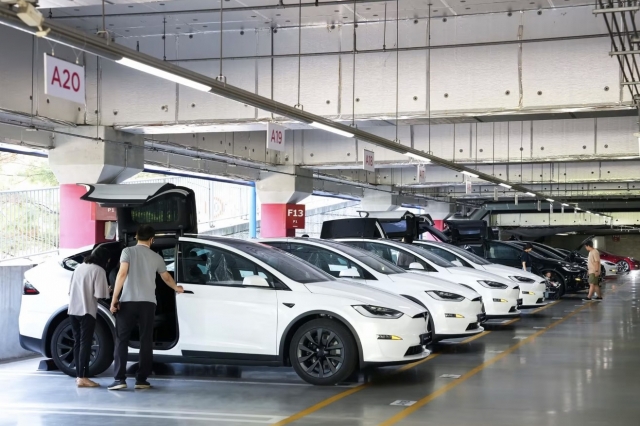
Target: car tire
(62, 349)
(319, 370)
(623, 266)
(555, 276)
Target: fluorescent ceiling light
(597, 214)
(588, 212)
(464, 172)
(163, 74)
(566, 205)
(577, 208)
(531, 194)
(331, 129)
(504, 185)
(550, 200)
(416, 156)
(564, 235)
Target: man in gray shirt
(136, 281)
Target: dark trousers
(131, 314)
(83, 328)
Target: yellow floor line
(441, 391)
(362, 386)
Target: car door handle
(187, 292)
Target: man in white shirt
(593, 263)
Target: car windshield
(374, 262)
(551, 250)
(472, 257)
(431, 257)
(283, 262)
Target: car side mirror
(417, 266)
(457, 262)
(255, 281)
(349, 273)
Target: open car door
(166, 207)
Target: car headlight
(492, 284)
(521, 279)
(377, 311)
(571, 269)
(445, 296)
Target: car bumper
(533, 295)
(469, 316)
(413, 332)
(32, 344)
(503, 304)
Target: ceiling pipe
(105, 48)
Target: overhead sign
(295, 216)
(108, 214)
(467, 184)
(422, 173)
(368, 161)
(64, 79)
(275, 137)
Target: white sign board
(422, 173)
(368, 163)
(64, 80)
(275, 137)
(467, 183)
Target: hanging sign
(63, 79)
(422, 173)
(467, 184)
(295, 216)
(275, 137)
(368, 161)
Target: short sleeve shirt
(140, 284)
(526, 259)
(88, 284)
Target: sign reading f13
(64, 79)
(275, 137)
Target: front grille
(477, 299)
(414, 350)
(472, 326)
(513, 309)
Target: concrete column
(279, 194)
(95, 155)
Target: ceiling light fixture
(588, 212)
(163, 74)
(416, 156)
(531, 194)
(565, 204)
(473, 175)
(331, 129)
(550, 200)
(504, 185)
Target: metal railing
(29, 222)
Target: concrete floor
(572, 363)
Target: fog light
(388, 337)
(578, 279)
(453, 316)
(500, 300)
(528, 292)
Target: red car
(624, 264)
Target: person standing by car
(88, 284)
(593, 264)
(134, 303)
(526, 257)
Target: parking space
(551, 366)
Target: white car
(455, 310)
(610, 268)
(532, 286)
(244, 303)
(501, 297)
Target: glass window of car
(503, 251)
(461, 254)
(446, 255)
(209, 265)
(400, 257)
(72, 262)
(327, 260)
(378, 264)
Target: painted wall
(629, 245)
(10, 297)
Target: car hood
(481, 275)
(361, 293)
(422, 281)
(495, 268)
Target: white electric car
(532, 286)
(455, 310)
(501, 297)
(244, 303)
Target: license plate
(425, 339)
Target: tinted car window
(330, 262)
(468, 255)
(447, 255)
(401, 258)
(503, 251)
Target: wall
(629, 245)
(10, 296)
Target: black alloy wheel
(557, 278)
(64, 348)
(323, 352)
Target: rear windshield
(285, 263)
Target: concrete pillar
(280, 194)
(95, 155)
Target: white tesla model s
(244, 303)
(501, 297)
(455, 310)
(532, 287)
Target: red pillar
(281, 220)
(438, 224)
(77, 228)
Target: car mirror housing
(349, 273)
(457, 262)
(416, 265)
(255, 281)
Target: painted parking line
(441, 391)
(31, 409)
(358, 388)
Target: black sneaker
(142, 384)
(587, 299)
(599, 299)
(117, 385)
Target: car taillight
(29, 289)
